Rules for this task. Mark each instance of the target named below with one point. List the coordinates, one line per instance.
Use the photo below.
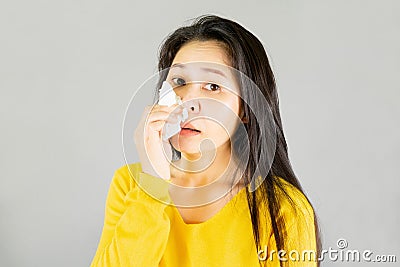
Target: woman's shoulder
(296, 216)
(130, 169)
(125, 176)
(130, 176)
(294, 205)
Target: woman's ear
(242, 117)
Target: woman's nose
(189, 95)
(192, 105)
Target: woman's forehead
(207, 51)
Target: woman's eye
(212, 87)
(178, 81)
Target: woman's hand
(148, 139)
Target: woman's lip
(188, 126)
(188, 132)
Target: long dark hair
(248, 56)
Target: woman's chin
(183, 145)
(189, 151)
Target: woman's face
(201, 75)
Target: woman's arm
(136, 227)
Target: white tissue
(168, 97)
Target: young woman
(265, 222)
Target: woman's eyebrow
(216, 71)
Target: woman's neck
(203, 168)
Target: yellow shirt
(142, 231)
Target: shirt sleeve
(136, 226)
(300, 248)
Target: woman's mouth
(188, 129)
(189, 132)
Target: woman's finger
(174, 107)
(161, 116)
(156, 125)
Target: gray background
(69, 68)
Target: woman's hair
(247, 55)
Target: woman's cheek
(217, 133)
